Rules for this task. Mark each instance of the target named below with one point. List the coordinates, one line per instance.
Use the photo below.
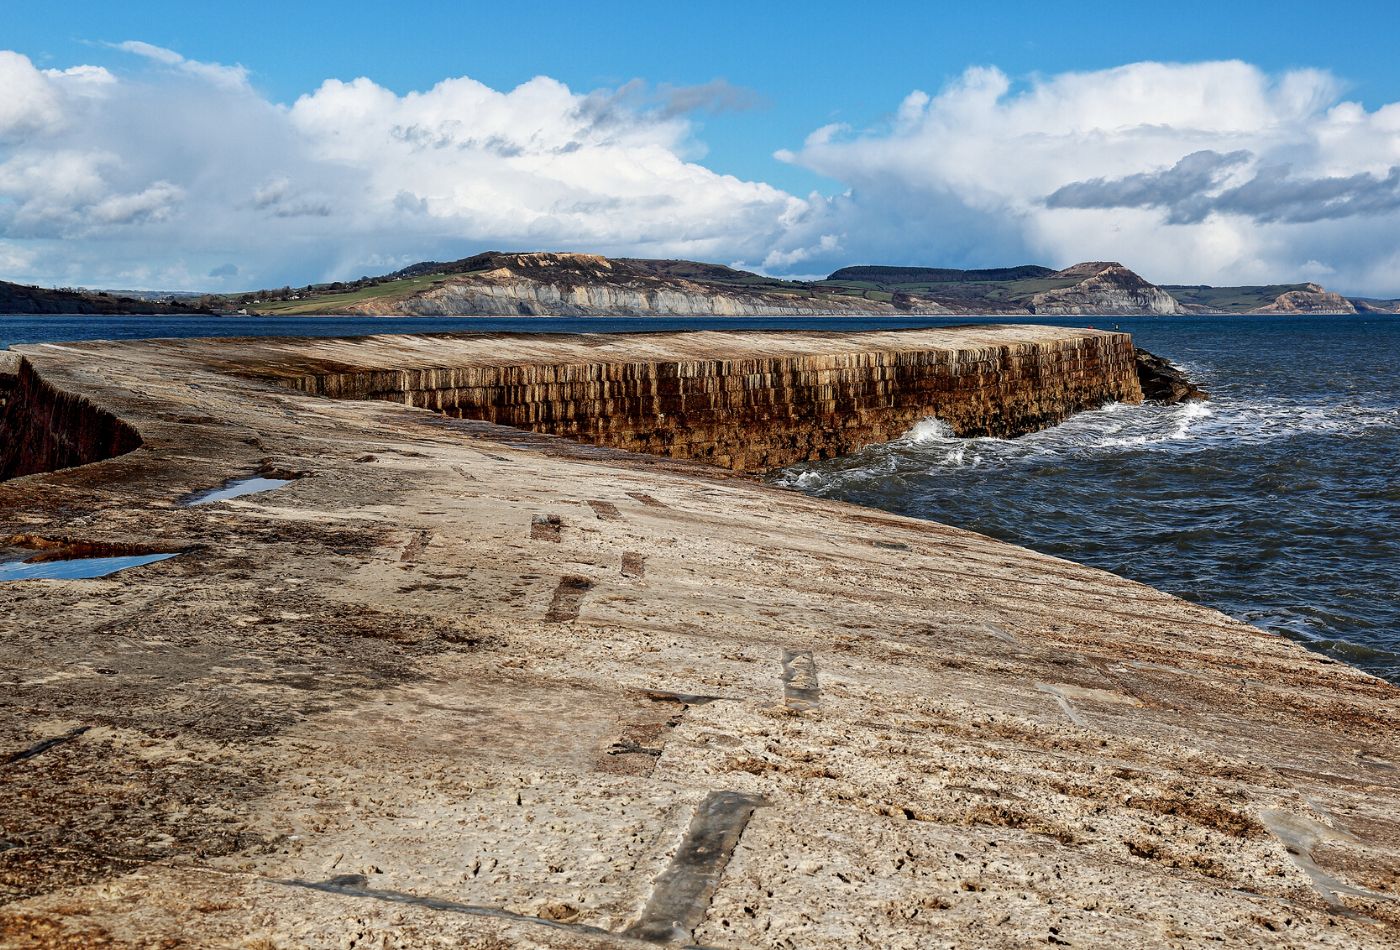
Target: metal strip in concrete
(681, 896)
(41, 747)
(800, 689)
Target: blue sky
(808, 63)
(747, 80)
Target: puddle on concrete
(236, 489)
(74, 568)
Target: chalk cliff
(559, 284)
(565, 284)
(1105, 288)
(579, 285)
(1313, 298)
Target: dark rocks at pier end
(1163, 381)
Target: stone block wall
(761, 413)
(43, 428)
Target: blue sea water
(1277, 502)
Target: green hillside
(1229, 299)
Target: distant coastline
(539, 284)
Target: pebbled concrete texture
(376, 707)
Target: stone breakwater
(770, 400)
(459, 684)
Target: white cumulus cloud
(178, 171)
(1204, 172)
(177, 168)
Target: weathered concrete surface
(377, 708)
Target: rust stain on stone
(605, 510)
(545, 527)
(633, 564)
(568, 597)
(413, 550)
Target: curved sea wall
(43, 428)
(763, 409)
(459, 685)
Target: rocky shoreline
(1163, 381)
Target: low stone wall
(766, 411)
(43, 428)
(9, 379)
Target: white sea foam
(1117, 428)
(929, 430)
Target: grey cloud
(444, 135)
(713, 97)
(409, 203)
(610, 107)
(224, 270)
(1180, 189)
(278, 199)
(496, 145)
(448, 135)
(605, 108)
(1188, 192)
(304, 209)
(1272, 195)
(270, 194)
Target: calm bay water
(1277, 502)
